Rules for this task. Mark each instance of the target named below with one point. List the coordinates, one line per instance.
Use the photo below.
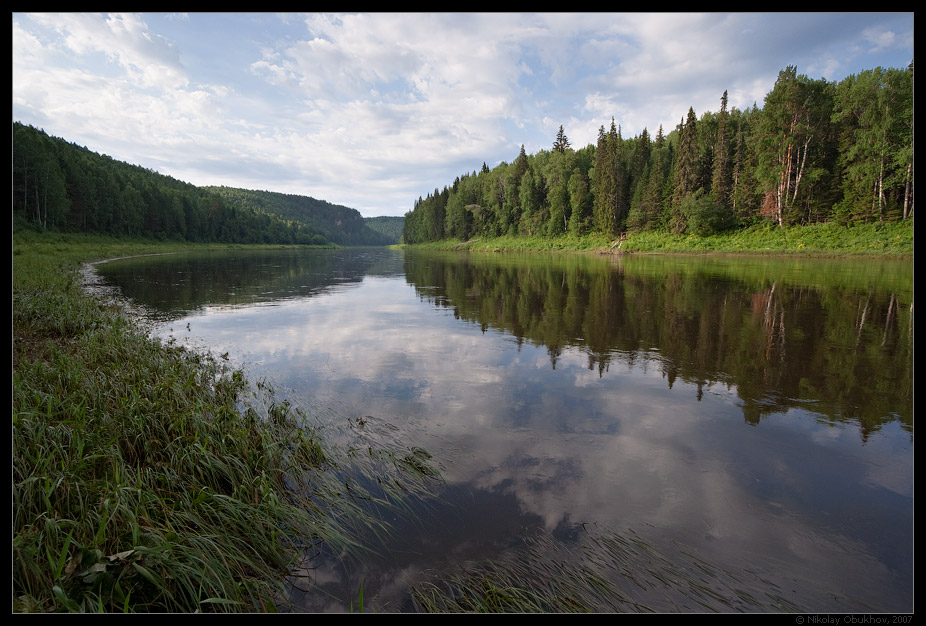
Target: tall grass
(140, 480)
(601, 572)
(887, 239)
(145, 478)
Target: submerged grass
(141, 482)
(603, 572)
(144, 481)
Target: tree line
(390, 226)
(58, 185)
(337, 223)
(778, 343)
(817, 151)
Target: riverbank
(888, 239)
(140, 485)
(142, 481)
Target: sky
(374, 110)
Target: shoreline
(63, 335)
(893, 240)
(140, 483)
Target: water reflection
(171, 286)
(758, 411)
(837, 341)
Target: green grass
(888, 239)
(150, 478)
(601, 572)
(141, 482)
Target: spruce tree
(605, 185)
(721, 179)
(562, 142)
(687, 171)
(687, 161)
(621, 202)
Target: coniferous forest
(816, 151)
(60, 186)
(339, 224)
(144, 480)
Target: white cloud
(880, 39)
(400, 103)
(148, 59)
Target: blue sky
(374, 110)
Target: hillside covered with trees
(339, 224)
(60, 186)
(387, 225)
(817, 151)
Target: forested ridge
(60, 186)
(817, 151)
(340, 224)
(390, 226)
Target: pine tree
(721, 179)
(520, 165)
(621, 179)
(562, 142)
(579, 202)
(605, 185)
(687, 161)
(654, 192)
(687, 171)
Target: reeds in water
(603, 572)
(140, 481)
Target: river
(742, 426)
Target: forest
(60, 186)
(390, 226)
(338, 223)
(817, 151)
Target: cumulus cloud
(880, 38)
(147, 58)
(400, 104)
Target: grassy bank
(140, 481)
(889, 239)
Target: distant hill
(339, 224)
(389, 226)
(60, 186)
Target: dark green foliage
(875, 113)
(705, 216)
(606, 184)
(722, 175)
(426, 221)
(389, 226)
(816, 152)
(60, 186)
(580, 201)
(562, 141)
(688, 175)
(339, 224)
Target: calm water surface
(751, 415)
